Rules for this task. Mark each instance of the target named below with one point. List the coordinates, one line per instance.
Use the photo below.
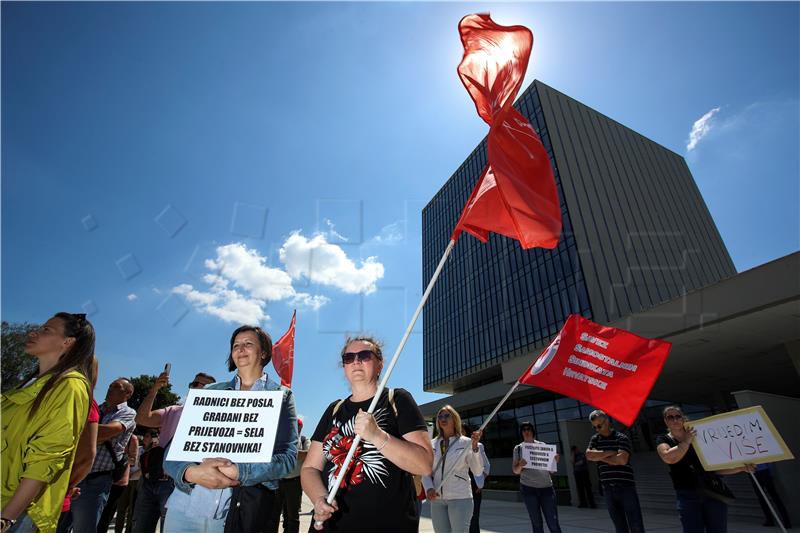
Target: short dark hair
(527, 425)
(263, 339)
(209, 377)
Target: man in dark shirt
(612, 450)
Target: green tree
(142, 384)
(15, 363)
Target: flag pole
(483, 426)
(763, 495)
(395, 357)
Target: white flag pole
(763, 495)
(357, 440)
(483, 426)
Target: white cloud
(247, 270)
(333, 233)
(700, 129)
(229, 305)
(327, 264)
(132, 297)
(240, 284)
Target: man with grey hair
(611, 449)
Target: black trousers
(110, 509)
(584, 487)
(474, 524)
(251, 510)
(287, 502)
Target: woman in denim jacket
(218, 495)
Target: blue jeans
(86, 510)
(623, 507)
(24, 524)
(451, 516)
(151, 504)
(700, 513)
(179, 522)
(541, 502)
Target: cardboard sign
(539, 456)
(736, 438)
(237, 425)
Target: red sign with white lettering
(609, 368)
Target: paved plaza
(511, 517)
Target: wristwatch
(6, 524)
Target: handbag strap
(112, 454)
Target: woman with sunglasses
(217, 494)
(377, 492)
(454, 457)
(42, 422)
(699, 510)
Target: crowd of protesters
(69, 464)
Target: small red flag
(283, 355)
(516, 194)
(610, 368)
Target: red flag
(283, 355)
(516, 194)
(609, 368)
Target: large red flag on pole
(609, 368)
(283, 355)
(516, 194)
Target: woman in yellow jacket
(42, 421)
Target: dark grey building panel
(636, 234)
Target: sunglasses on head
(363, 356)
(444, 415)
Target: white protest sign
(539, 456)
(736, 438)
(236, 425)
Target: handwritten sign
(733, 439)
(236, 425)
(539, 456)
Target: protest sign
(736, 438)
(539, 456)
(609, 368)
(236, 425)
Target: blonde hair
(456, 419)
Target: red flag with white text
(516, 193)
(609, 368)
(283, 355)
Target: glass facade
(493, 301)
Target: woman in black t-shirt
(701, 509)
(377, 492)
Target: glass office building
(636, 234)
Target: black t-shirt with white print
(375, 494)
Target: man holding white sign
(246, 443)
(533, 462)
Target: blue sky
(172, 168)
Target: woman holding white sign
(702, 496)
(451, 504)
(217, 494)
(377, 492)
(535, 484)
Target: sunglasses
(197, 385)
(443, 416)
(597, 426)
(673, 417)
(363, 356)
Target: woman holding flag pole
(454, 457)
(377, 489)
